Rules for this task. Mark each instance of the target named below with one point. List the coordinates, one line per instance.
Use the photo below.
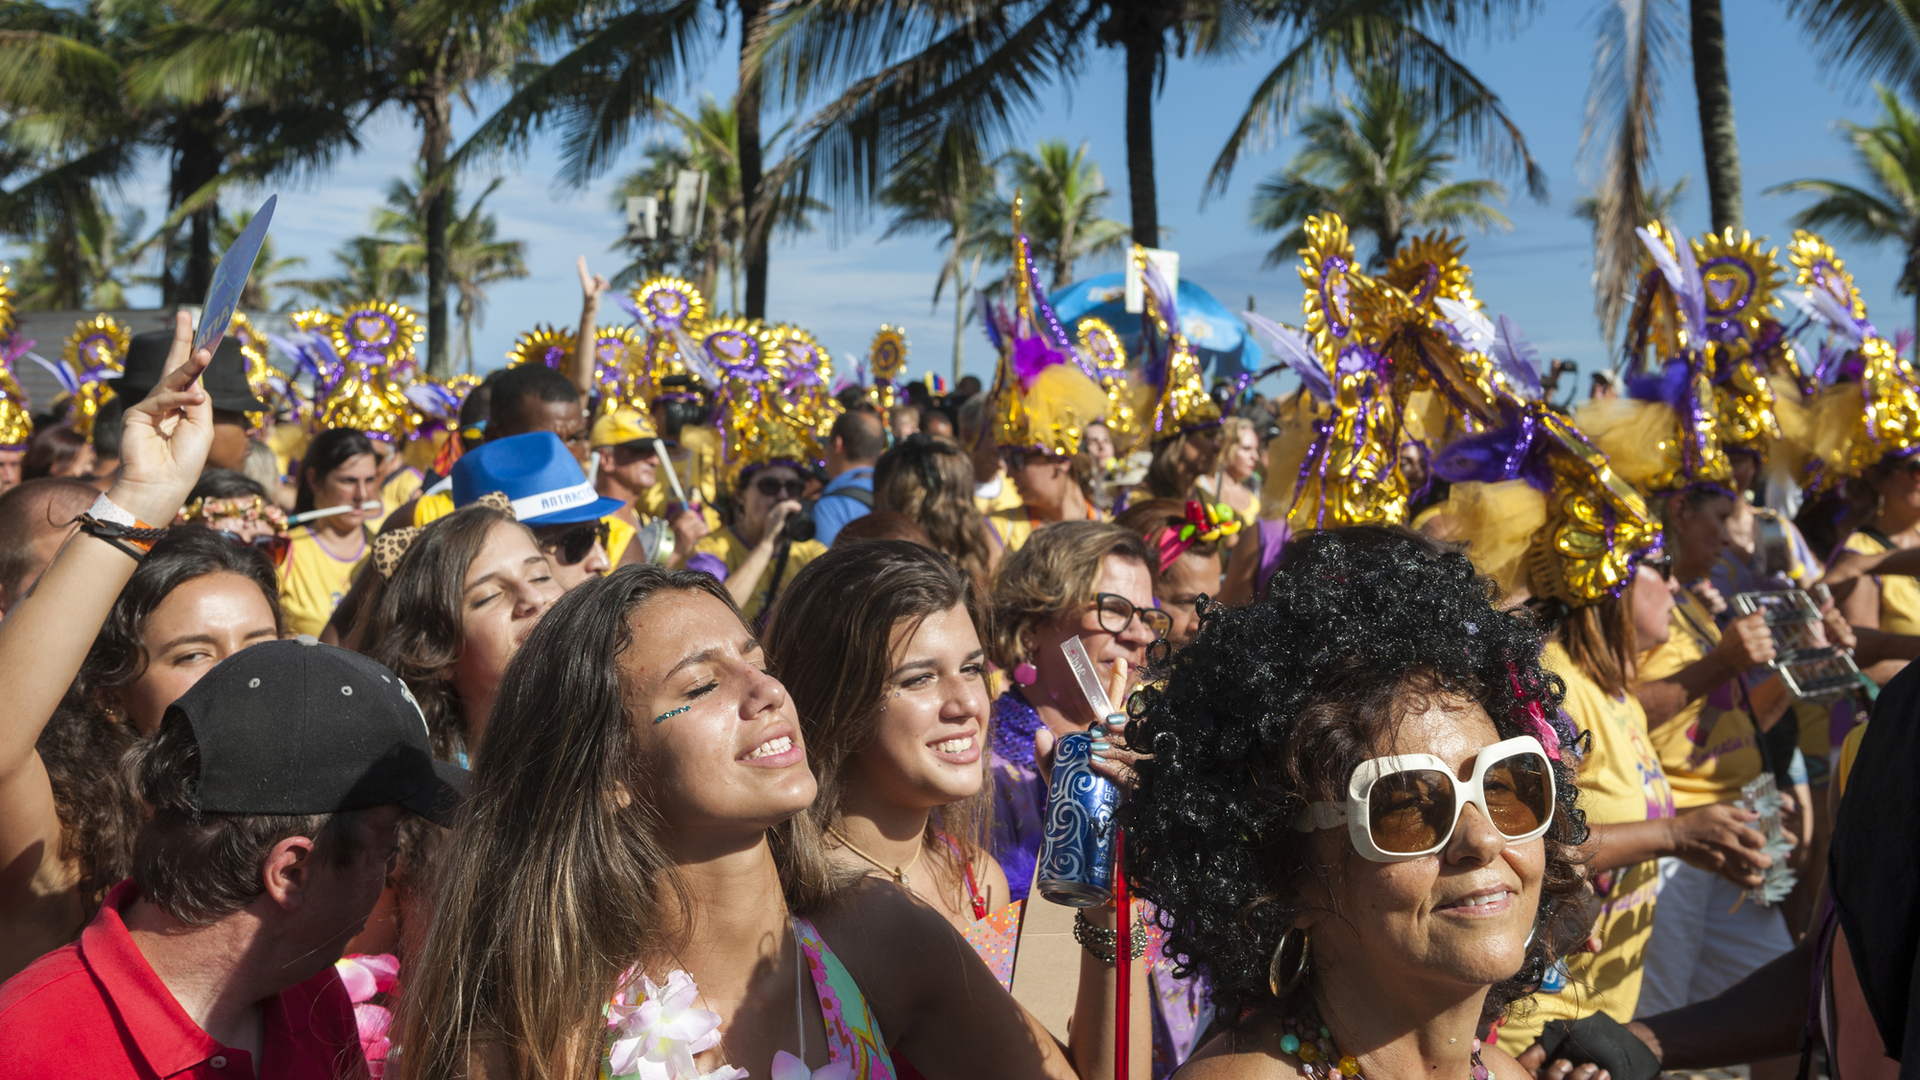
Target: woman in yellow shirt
(1888, 603)
(340, 470)
(755, 556)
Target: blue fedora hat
(537, 473)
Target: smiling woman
(1356, 821)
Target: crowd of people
(663, 705)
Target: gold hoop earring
(1284, 975)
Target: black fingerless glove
(1600, 1040)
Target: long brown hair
(930, 479)
(1600, 639)
(415, 622)
(558, 881)
(831, 646)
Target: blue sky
(1786, 108)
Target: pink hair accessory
(1535, 717)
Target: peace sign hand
(165, 441)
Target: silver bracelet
(1100, 942)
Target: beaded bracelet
(1101, 942)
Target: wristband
(108, 521)
(1101, 942)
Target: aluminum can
(1076, 854)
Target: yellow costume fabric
(699, 475)
(1899, 595)
(1007, 499)
(619, 536)
(726, 547)
(401, 487)
(1709, 749)
(1620, 781)
(432, 508)
(1012, 527)
(312, 581)
(1849, 752)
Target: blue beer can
(1076, 854)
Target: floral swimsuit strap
(852, 1033)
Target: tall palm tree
(476, 256)
(1064, 194)
(905, 73)
(1382, 162)
(1888, 211)
(1707, 32)
(92, 269)
(710, 143)
(369, 266)
(950, 190)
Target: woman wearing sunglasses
(95, 654)
(755, 555)
(1356, 822)
(235, 506)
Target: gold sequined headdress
(1102, 346)
(371, 338)
(760, 424)
(672, 315)
(543, 345)
(886, 360)
(1537, 502)
(1044, 394)
(16, 419)
(1171, 367)
(1872, 410)
(95, 353)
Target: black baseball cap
(297, 727)
(225, 379)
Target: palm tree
(949, 190)
(1707, 31)
(1888, 211)
(710, 143)
(90, 269)
(267, 269)
(1064, 194)
(370, 267)
(1382, 163)
(911, 73)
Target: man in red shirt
(278, 784)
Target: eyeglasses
(577, 543)
(273, 545)
(1117, 613)
(1407, 806)
(773, 487)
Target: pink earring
(1025, 674)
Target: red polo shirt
(96, 1009)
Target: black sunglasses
(577, 542)
(774, 487)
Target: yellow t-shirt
(1012, 527)
(1899, 595)
(1620, 781)
(399, 489)
(700, 476)
(1007, 499)
(1709, 749)
(727, 547)
(619, 535)
(312, 580)
(1849, 753)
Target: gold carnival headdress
(16, 419)
(615, 352)
(1537, 502)
(552, 346)
(267, 383)
(672, 314)
(803, 370)
(1372, 349)
(1101, 345)
(759, 425)
(1664, 434)
(1738, 284)
(370, 339)
(95, 353)
(1872, 409)
(1042, 397)
(886, 360)
(1171, 367)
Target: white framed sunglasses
(1407, 806)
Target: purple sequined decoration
(1014, 722)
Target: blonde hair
(1056, 570)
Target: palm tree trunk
(1716, 113)
(746, 104)
(436, 124)
(196, 163)
(1144, 47)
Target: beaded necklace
(1014, 722)
(1311, 1042)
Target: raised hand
(164, 443)
(591, 285)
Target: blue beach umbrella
(1217, 334)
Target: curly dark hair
(1274, 705)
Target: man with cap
(225, 382)
(550, 495)
(278, 784)
(628, 448)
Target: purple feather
(988, 322)
(1517, 358)
(1511, 452)
(1668, 386)
(1032, 355)
(1291, 346)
